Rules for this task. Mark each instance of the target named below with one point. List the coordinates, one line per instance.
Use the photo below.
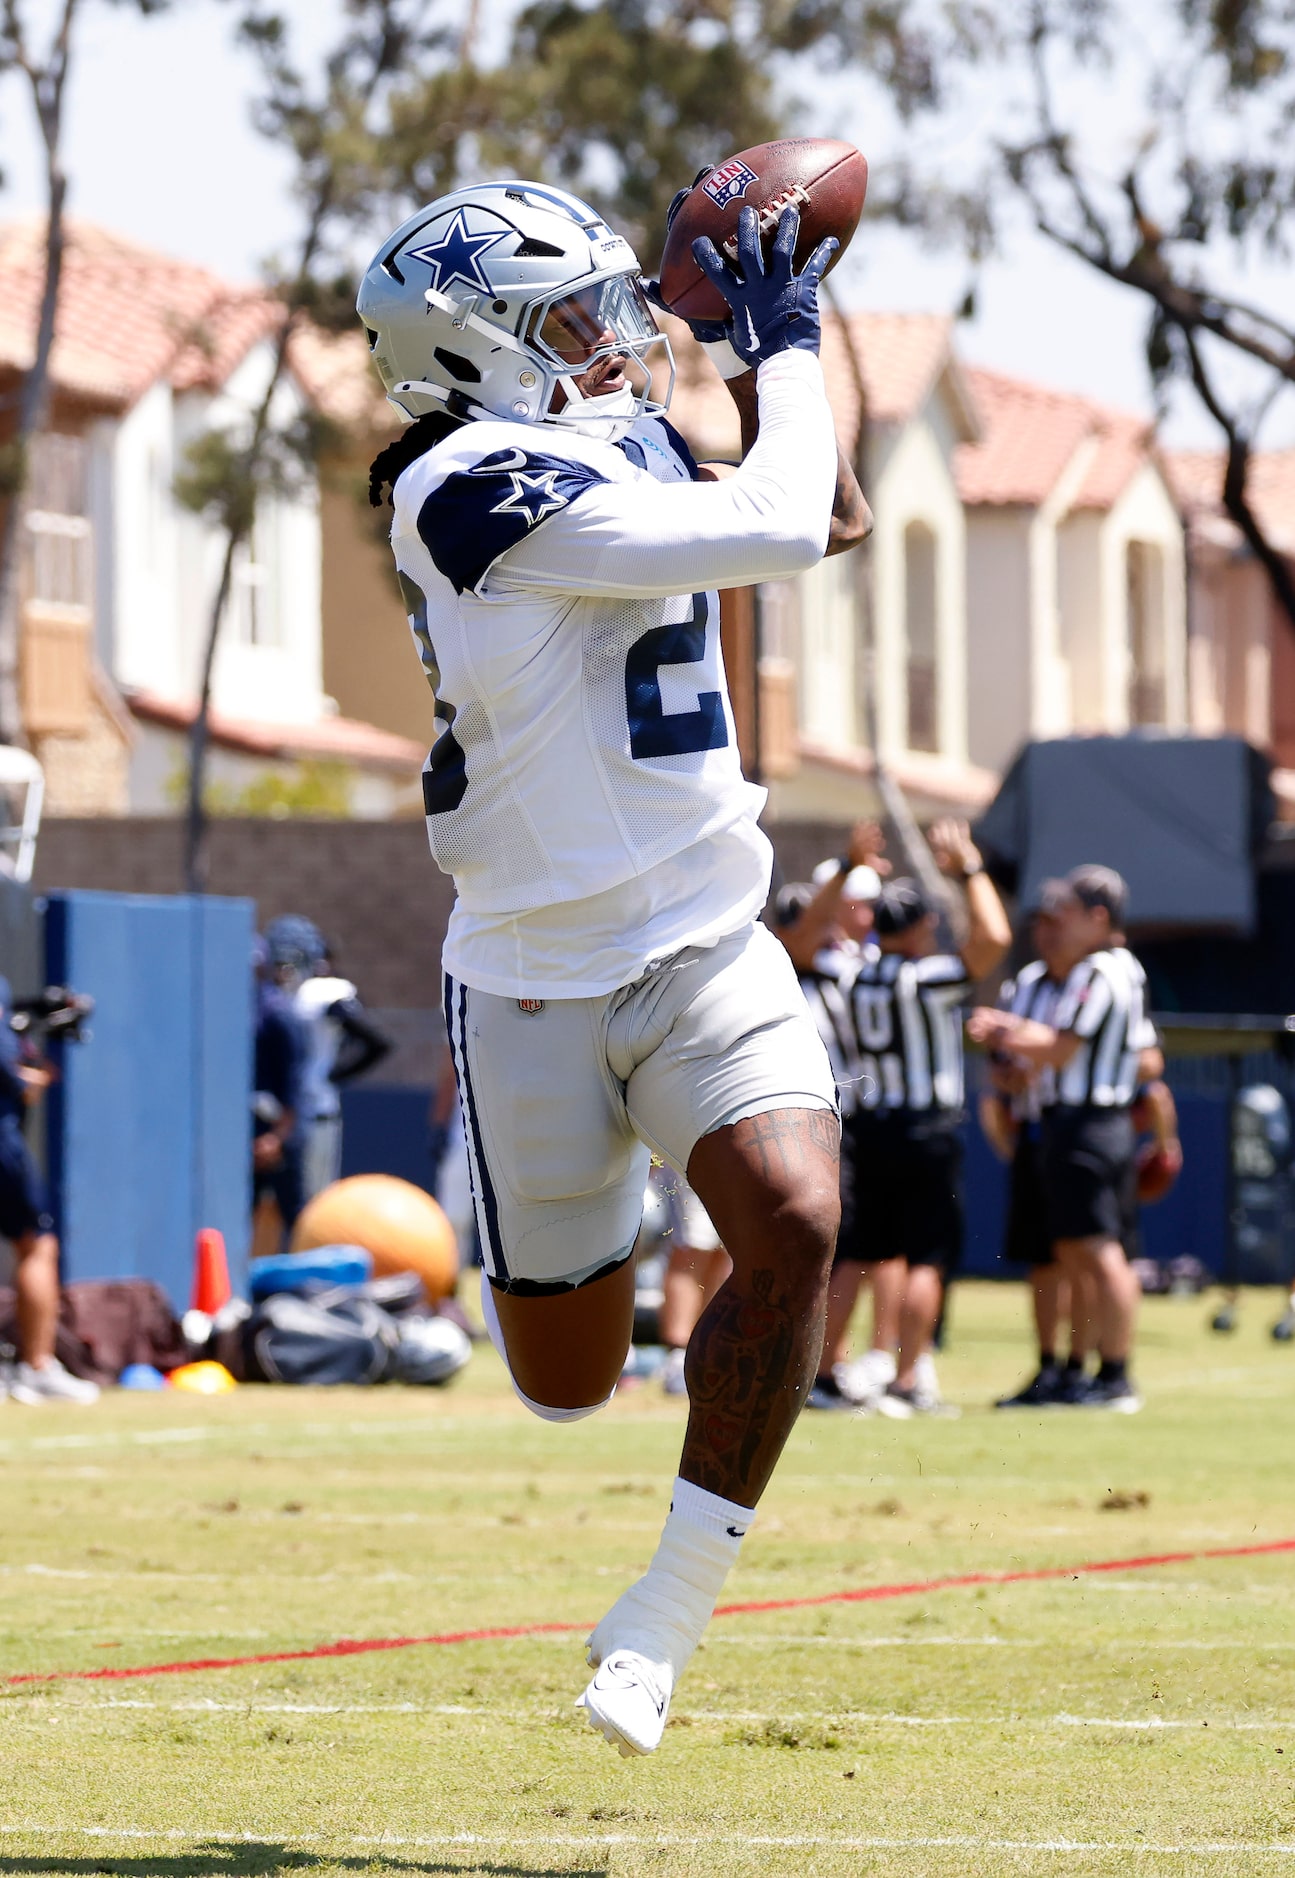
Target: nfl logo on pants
(530, 1007)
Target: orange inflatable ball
(400, 1226)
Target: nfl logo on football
(728, 182)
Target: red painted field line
(864, 1594)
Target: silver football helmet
(492, 301)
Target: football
(824, 177)
(1158, 1170)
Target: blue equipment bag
(324, 1265)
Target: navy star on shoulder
(478, 514)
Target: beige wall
(370, 665)
(1080, 605)
(1144, 512)
(1229, 654)
(913, 482)
(830, 675)
(999, 633)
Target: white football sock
(662, 1617)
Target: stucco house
(118, 579)
(1241, 647)
(892, 616)
(1076, 617)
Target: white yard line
(574, 1841)
(869, 1718)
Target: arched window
(920, 637)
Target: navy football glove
(774, 309)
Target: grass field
(1132, 1722)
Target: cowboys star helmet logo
(456, 255)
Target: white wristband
(727, 362)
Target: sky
(160, 148)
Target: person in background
(695, 1269)
(279, 1064)
(1011, 1117)
(826, 928)
(905, 1002)
(341, 1041)
(1092, 1055)
(36, 1377)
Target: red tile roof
(335, 739)
(127, 316)
(336, 374)
(1197, 480)
(1032, 432)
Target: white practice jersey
(313, 999)
(585, 790)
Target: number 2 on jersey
(653, 730)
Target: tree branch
(1236, 500)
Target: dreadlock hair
(390, 464)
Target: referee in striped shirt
(1088, 1058)
(1011, 1118)
(906, 1001)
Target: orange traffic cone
(211, 1286)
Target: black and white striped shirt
(908, 1032)
(1104, 1003)
(1033, 994)
(827, 993)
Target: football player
(609, 990)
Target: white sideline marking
(762, 1641)
(858, 1717)
(284, 1433)
(574, 1841)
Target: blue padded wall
(149, 1125)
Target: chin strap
(597, 417)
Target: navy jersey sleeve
(478, 514)
(281, 1052)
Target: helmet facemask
(572, 333)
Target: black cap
(790, 902)
(1092, 886)
(899, 907)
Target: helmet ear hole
(457, 365)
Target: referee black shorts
(1089, 1172)
(1028, 1241)
(901, 1188)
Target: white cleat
(50, 1383)
(628, 1701)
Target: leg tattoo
(772, 1189)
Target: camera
(54, 1015)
